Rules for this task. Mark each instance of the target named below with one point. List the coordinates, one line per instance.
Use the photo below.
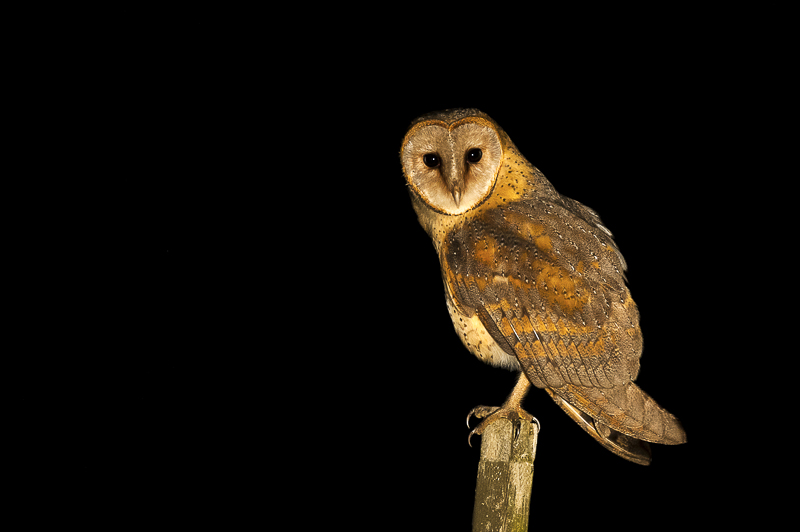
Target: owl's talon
(481, 412)
(518, 426)
(515, 414)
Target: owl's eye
(474, 155)
(431, 160)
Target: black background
(281, 317)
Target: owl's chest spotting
(477, 339)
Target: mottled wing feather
(548, 283)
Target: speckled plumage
(533, 280)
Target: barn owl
(533, 282)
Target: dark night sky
(286, 309)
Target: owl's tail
(626, 409)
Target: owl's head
(451, 159)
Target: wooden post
(505, 477)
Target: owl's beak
(457, 195)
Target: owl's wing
(547, 281)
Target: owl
(533, 282)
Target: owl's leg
(511, 409)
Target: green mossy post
(505, 477)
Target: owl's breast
(477, 339)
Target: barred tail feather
(623, 419)
(626, 409)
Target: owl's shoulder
(532, 218)
(525, 236)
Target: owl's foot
(513, 413)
